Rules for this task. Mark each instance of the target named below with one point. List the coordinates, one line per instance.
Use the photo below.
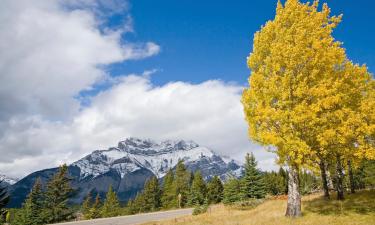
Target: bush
(247, 204)
(200, 209)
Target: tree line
(308, 101)
(179, 188)
(45, 205)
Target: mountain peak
(133, 154)
(8, 180)
(147, 146)
(127, 167)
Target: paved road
(134, 219)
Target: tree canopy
(306, 99)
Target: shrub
(200, 209)
(247, 204)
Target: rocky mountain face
(7, 180)
(127, 167)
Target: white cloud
(209, 113)
(48, 54)
(53, 50)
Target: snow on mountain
(134, 154)
(8, 180)
(128, 166)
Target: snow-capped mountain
(134, 154)
(127, 167)
(8, 180)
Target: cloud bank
(54, 50)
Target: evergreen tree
(86, 207)
(308, 182)
(95, 211)
(252, 184)
(4, 199)
(169, 198)
(139, 203)
(215, 190)
(152, 194)
(182, 183)
(56, 196)
(32, 209)
(283, 173)
(111, 206)
(191, 178)
(274, 183)
(198, 190)
(232, 190)
(364, 175)
(130, 208)
(368, 178)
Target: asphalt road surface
(134, 219)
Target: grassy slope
(356, 209)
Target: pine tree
(198, 190)
(215, 190)
(275, 183)
(191, 178)
(139, 203)
(283, 173)
(56, 197)
(308, 182)
(252, 184)
(232, 189)
(111, 206)
(169, 198)
(32, 209)
(182, 183)
(86, 207)
(366, 175)
(95, 211)
(152, 194)
(4, 199)
(130, 207)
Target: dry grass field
(356, 209)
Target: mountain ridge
(127, 167)
(8, 180)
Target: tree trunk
(294, 197)
(324, 179)
(351, 177)
(340, 178)
(329, 179)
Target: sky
(81, 75)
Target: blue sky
(202, 40)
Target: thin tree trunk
(329, 179)
(294, 197)
(351, 177)
(340, 178)
(324, 179)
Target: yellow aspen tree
(341, 122)
(366, 136)
(292, 55)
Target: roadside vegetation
(358, 208)
(181, 188)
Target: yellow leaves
(304, 96)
